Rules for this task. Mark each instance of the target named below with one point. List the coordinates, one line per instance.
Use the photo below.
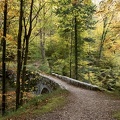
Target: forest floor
(84, 105)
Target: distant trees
(45, 26)
(106, 65)
(75, 17)
(97, 36)
(109, 15)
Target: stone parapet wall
(77, 83)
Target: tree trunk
(19, 62)
(102, 40)
(42, 34)
(27, 37)
(42, 45)
(71, 44)
(106, 26)
(76, 49)
(24, 72)
(4, 60)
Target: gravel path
(84, 105)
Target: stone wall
(77, 82)
(45, 85)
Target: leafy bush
(10, 76)
(31, 80)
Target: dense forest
(74, 38)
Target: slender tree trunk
(42, 34)
(24, 70)
(19, 62)
(106, 26)
(27, 37)
(76, 49)
(24, 73)
(42, 45)
(71, 54)
(4, 60)
(44, 31)
(102, 41)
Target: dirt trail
(84, 105)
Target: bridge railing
(77, 82)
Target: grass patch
(117, 115)
(39, 105)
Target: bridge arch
(45, 90)
(42, 89)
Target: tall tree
(76, 49)
(74, 3)
(29, 25)
(107, 17)
(19, 56)
(25, 53)
(4, 59)
(42, 31)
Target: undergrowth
(117, 115)
(39, 105)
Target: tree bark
(19, 61)
(42, 45)
(76, 49)
(71, 50)
(4, 60)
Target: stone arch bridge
(48, 84)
